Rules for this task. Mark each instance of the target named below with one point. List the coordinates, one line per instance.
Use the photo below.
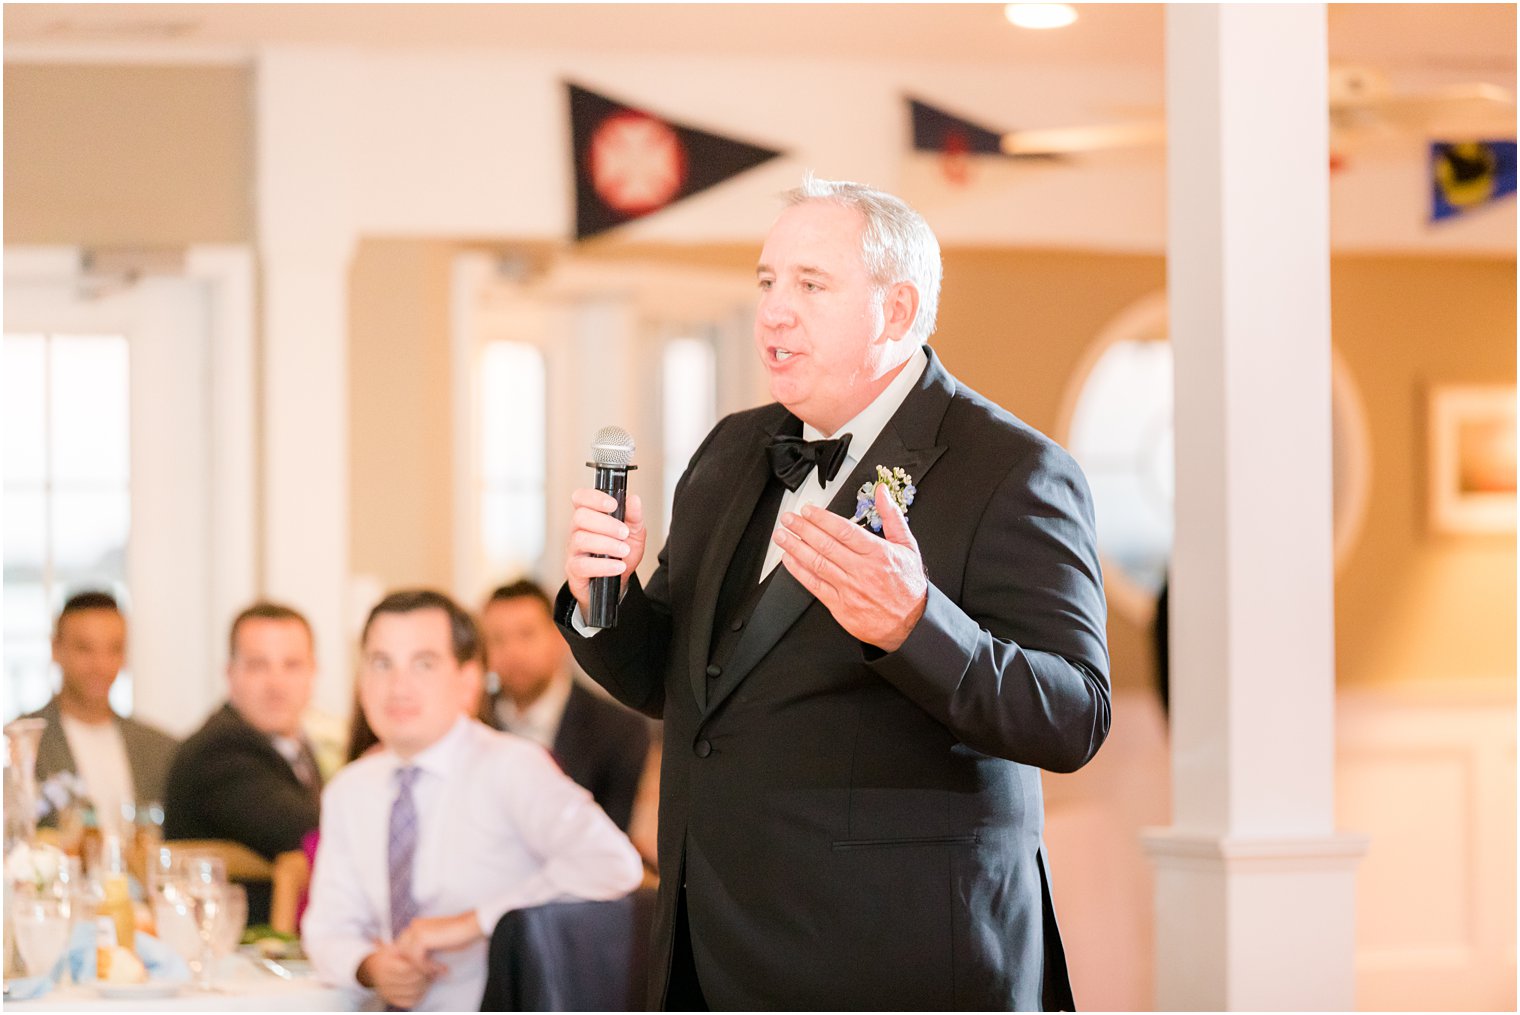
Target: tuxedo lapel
(752, 472)
(906, 442)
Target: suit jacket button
(715, 670)
(703, 748)
(736, 625)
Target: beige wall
(1412, 604)
(1016, 325)
(401, 433)
(128, 156)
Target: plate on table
(139, 991)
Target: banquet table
(242, 986)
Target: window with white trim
(67, 496)
(511, 467)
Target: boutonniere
(899, 485)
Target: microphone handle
(604, 591)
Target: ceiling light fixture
(1040, 15)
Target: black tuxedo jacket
(856, 829)
(603, 747)
(228, 782)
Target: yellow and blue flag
(1465, 175)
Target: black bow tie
(792, 458)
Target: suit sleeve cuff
(929, 664)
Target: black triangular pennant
(935, 130)
(629, 162)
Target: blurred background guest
(248, 774)
(599, 743)
(120, 761)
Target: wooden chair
(290, 877)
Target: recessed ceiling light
(1040, 15)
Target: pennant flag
(954, 140)
(1469, 174)
(630, 163)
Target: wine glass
(174, 919)
(205, 886)
(232, 921)
(42, 928)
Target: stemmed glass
(233, 920)
(205, 888)
(42, 927)
(173, 918)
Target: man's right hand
(594, 530)
(398, 980)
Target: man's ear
(899, 310)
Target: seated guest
(428, 841)
(249, 774)
(599, 743)
(119, 761)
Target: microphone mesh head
(612, 447)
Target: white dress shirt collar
(539, 722)
(863, 430)
(869, 422)
(438, 758)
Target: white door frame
(191, 561)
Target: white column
(1254, 889)
(232, 498)
(305, 107)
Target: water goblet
(233, 920)
(42, 928)
(205, 886)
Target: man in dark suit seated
(120, 761)
(599, 744)
(249, 774)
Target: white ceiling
(1474, 39)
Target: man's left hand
(427, 934)
(874, 586)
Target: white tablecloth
(243, 987)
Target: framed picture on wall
(1472, 458)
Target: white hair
(896, 244)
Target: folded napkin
(27, 988)
(161, 961)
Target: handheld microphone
(611, 454)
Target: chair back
(571, 956)
(242, 863)
(289, 878)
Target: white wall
(470, 144)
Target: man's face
(523, 647)
(270, 676)
(411, 687)
(820, 324)
(90, 648)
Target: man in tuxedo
(599, 744)
(856, 714)
(248, 774)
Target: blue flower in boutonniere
(899, 485)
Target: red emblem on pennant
(637, 163)
(955, 158)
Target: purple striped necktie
(403, 851)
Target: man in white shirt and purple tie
(428, 842)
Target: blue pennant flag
(1469, 174)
